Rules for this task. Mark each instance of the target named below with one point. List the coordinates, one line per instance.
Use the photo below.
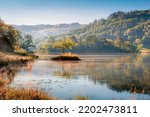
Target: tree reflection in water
(120, 73)
(67, 69)
(7, 73)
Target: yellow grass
(24, 94)
(6, 58)
(145, 50)
(7, 93)
(69, 54)
(81, 98)
(12, 57)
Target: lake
(96, 77)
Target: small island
(67, 57)
(63, 44)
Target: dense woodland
(120, 32)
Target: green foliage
(8, 37)
(133, 26)
(119, 42)
(65, 43)
(26, 42)
(120, 32)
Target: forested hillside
(133, 29)
(130, 26)
(120, 32)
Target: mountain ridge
(41, 30)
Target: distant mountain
(38, 31)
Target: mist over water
(97, 77)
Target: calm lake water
(96, 77)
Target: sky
(30, 12)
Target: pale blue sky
(64, 11)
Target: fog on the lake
(114, 76)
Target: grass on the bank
(6, 58)
(145, 50)
(7, 93)
(67, 56)
(24, 94)
(81, 98)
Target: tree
(26, 42)
(65, 43)
(91, 40)
(119, 42)
(138, 43)
(9, 35)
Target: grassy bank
(7, 93)
(24, 94)
(6, 58)
(8, 67)
(145, 50)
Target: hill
(130, 26)
(133, 28)
(42, 30)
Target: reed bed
(24, 94)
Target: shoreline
(6, 58)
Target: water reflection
(96, 77)
(8, 73)
(67, 69)
(119, 73)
